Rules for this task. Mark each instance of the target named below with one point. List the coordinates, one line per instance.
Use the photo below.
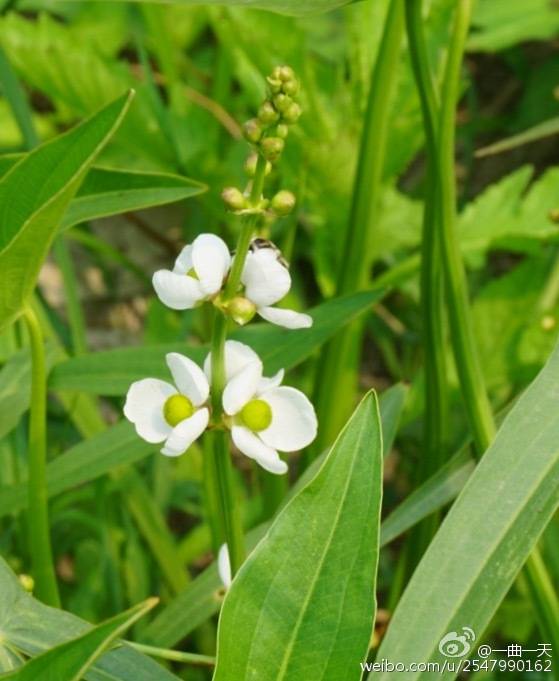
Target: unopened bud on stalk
(282, 130)
(283, 203)
(553, 215)
(252, 130)
(272, 147)
(282, 102)
(291, 87)
(27, 582)
(292, 113)
(267, 114)
(233, 199)
(241, 310)
(284, 73)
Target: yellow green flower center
(192, 273)
(177, 408)
(256, 415)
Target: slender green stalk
(41, 551)
(218, 467)
(336, 387)
(436, 410)
(463, 341)
(173, 655)
(465, 351)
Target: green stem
(218, 467)
(461, 328)
(335, 390)
(173, 655)
(41, 551)
(436, 410)
(463, 341)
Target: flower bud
(275, 84)
(553, 215)
(282, 102)
(252, 130)
(233, 199)
(267, 114)
(283, 203)
(291, 87)
(27, 582)
(241, 310)
(284, 73)
(250, 165)
(271, 148)
(282, 130)
(292, 113)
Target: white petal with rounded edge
(288, 318)
(253, 447)
(273, 382)
(211, 261)
(177, 291)
(241, 388)
(266, 280)
(144, 407)
(224, 566)
(294, 422)
(237, 356)
(183, 263)
(189, 378)
(184, 434)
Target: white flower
(162, 412)
(265, 416)
(198, 273)
(266, 281)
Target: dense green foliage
(424, 245)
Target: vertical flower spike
(162, 412)
(198, 274)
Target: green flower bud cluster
(270, 128)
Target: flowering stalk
(41, 551)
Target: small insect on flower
(198, 273)
(267, 280)
(162, 412)
(264, 416)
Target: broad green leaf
(69, 661)
(201, 599)
(111, 191)
(107, 191)
(289, 7)
(500, 24)
(487, 535)
(34, 195)
(28, 626)
(88, 460)
(112, 372)
(303, 604)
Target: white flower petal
(294, 421)
(241, 388)
(288, 318)
(211, 260)
(189, 378)
(183, 263)
(224, 566)
(273, 382)
(184, 434)
(237, 356)
(144, 407)
(266, 280)
(253, 447)
(177, 291)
